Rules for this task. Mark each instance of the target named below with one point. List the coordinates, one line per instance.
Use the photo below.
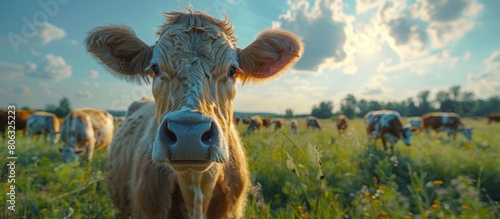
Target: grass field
(312, 174)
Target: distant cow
(294, 125)
(386, 124)
(493, 117)
(21, 117)
(266, 122)
(43, 123)
(342, 123)
(278, 123)
(415, 123)
(312, 122)
(255, 123)
(246, 120)
(236, 120)
(181, 156)
(449, 122)
(85, 130)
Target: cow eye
(156, 70)
(231, 72)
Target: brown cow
(493, 117)
(294, 125)
(254, 124)
(386, 124)
(278, 123)
(21, 117)
(43, 123)
(342, 123)
(181, 156)
(266, 122)
(312, 122)
(449, 122)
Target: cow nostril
(206, 138)
(172, 138)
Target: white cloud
(448, 20)
(93, 74)
(16, 91)
(365, 5)
(50, 32)
(324, 29)
(421, 65)
(10, 71)
(47, 91)
(50, 67)
(487, 82)
(374, 88)
(84, 94)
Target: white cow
(85, 130)
(43, 123)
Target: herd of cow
(180, 155)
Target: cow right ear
(119, 50)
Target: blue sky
(374, 49)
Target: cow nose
(188, 135)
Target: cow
(266, 122)
(246, 121)
(448, 122)
(43, 123)
(254, 124)
(415, 123)
(294, 125)
(386, 124)
(342, 123)
(85, 130)
(312, 122)
(20, 117)
(181, 156)
(278, 123)
(493, 117)
(236, 120)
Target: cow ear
(269, 55)
(119, 50)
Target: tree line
(451, 100)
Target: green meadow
(311, 174)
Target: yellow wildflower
(418, 189)
(435, 205)
(305, 216)
(382, 187)
(464, 206)
(367, 194)
(438, 182)
(299, 208)
(407, 217)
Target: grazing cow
(181, 156)
(21, 117)
(294, 125)
(254, 124)
(415, 123)
(43, 123)
(236, 120)
(312, 122)
(278, 123)
(449, 122)
(85, 130)
(246, 121)
(342, 123)
(386, 124)
(493, 117)
(266, 122)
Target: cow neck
(197, 189)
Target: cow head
(193, 67)
(467, 132)
(406, 133)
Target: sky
(375, 49)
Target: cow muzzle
(187, 139)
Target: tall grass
(312, 174)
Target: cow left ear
(269, 55)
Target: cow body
(312, 122)
(448, 122)
(43, 123)
(415, 123)
(21, 117)
(255, 123)
(493, 117)
(278, 123)
(386, 125)
(181, 156)
(294, 125)
(85, 130)
(342, 123)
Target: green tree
(288, 113)
(62, 110)
(424, 106)
(323, 111)
(348, 106)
